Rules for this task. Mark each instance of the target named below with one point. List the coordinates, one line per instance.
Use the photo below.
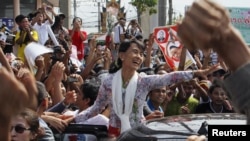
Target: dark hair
(133, 21)
(145, 40)
(42, 92)
(138, 37)
(76, 19)
(124, 46)
(219, 72)
(19, 18)
(61, 15)
(32, 119)
(157, 67)
(56, 23)
(30, 16)
(90, 90)
(216, 84)
(122, 19)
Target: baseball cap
(220, 71)
(205, 84)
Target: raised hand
(55, 122)
(14, 97)
(40, 62)
(155, 114)
(58, 71)
(203, 73)
(204, 20)
(196, 138)
(70, 97)
(29, 82)
(185, 110)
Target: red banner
(171, 47)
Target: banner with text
(240, 18)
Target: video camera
(6, 35)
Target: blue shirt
(49, 136)
(151, 106)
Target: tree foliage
(143, 5)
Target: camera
(72, 79)
(58, 53)
(133, 21)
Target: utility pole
(170, 12)
(162, 6)
(65, 8)
(75, 14)
(99, 16)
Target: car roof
(182, 126)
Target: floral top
(144, 85)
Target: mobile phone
(72, 79)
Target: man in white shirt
(43, 28)
(119, 36)
(119, 31)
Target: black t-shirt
(206, 108)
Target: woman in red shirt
(78, 37)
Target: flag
(171, 47)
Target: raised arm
(102, 100)
(155, 81)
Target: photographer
(133, 29)
(26, 35)
(98, 61)
(78, 36)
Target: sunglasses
(19, 129)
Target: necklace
(211, 107)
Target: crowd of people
(121, 85)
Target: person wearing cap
(78, 36)
(202, 88)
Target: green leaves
(143, 5)
(152, 11)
